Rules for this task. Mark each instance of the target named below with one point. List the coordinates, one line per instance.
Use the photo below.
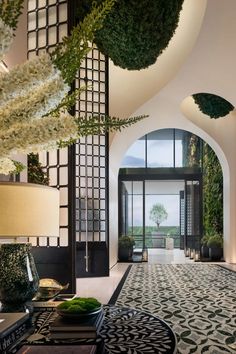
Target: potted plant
(215, 244)
(125, 248)
(205, 248)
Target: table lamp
(26, 210)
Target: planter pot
(205, 251)
(215, 253)
(125, 254)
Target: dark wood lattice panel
(91, 153)
(193, 214)
(47, 25)
(182, 219)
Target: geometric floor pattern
(198, 301)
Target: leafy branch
(94, 125)
(10, 10)
(69, 55)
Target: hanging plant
(135, 32)
(212, 105)
(34, 96)
(35, 171)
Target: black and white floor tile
(198, 301)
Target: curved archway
(120, 145)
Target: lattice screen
(80, 171)
(91, 153)
(47, 25)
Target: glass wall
(160, 148)
(165, 148)
(139, 199)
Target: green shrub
(215, 241)
(205, 240)
(126, 242)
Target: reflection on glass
(187, 149)
(135, 156)
(160, 151)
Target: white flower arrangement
(22, 138)
(6, 166)
(6, 38)
(26, 77)
(34, 96)
(35, 104)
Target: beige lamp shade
(28, 210)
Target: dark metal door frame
(158, 176)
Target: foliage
(212, 105)
(212, 192)
(126, 242)
(93, 125)
(33, 99)
(135, 32)
(205, 239)
(158, 214)
(138, 230)
(215, 241)
(70, 53)
(80, 305)
(10, 11)
(35, 171)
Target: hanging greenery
(212, 105)
(35, 171)
(135, 32)
(34, 96)
(212, 193)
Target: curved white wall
(209, 68)
(168, 119)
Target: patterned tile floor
(197, 300)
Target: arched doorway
(171, 155)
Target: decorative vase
(19, 279)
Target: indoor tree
(158, 214)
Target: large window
(164, 148)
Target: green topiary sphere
(212, 105)
(136, 32)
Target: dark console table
(124, 330)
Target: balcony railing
(155, 241)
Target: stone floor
(103, 287)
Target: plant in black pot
(215, 244)
(125, 248)
(205, 248)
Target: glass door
(131, 221)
